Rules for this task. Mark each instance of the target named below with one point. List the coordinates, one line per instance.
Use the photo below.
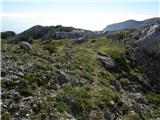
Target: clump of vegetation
(75, 100)
(25, 91)
(153, 98)
(62, 107)
(6, 116)
(124, 82)
(51, 48)
(120, 35)
(105, 97)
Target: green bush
(25, 91)
(6, 116)
(9, 84)
(153, 98)
(62, 106)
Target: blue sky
(18, 15)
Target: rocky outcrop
(54, 32)
(65, 35)
(61, 35)
(77, 33)
(150, 42)
(147, 54)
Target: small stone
(5, 106)
(20, 74)
(27, 115)
(112, 102)
(62, 78)
(16, 113)
(10, 71)
(21, 68)
(14, 77)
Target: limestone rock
(150, 42)
(80, 40)
(107, 61)
(25, 45)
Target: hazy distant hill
(132, 24)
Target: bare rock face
(48, 36)
(25, 45)
(77, 33)
(150, 42)
(61, 35)
(147, 54)
(64, 35)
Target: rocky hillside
(54, 32)
(99, 78)
(132, 24)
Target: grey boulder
(25, 45)
(107, 61)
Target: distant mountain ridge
(132, 24)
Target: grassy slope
(88, 84)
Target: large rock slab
(150, 40)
